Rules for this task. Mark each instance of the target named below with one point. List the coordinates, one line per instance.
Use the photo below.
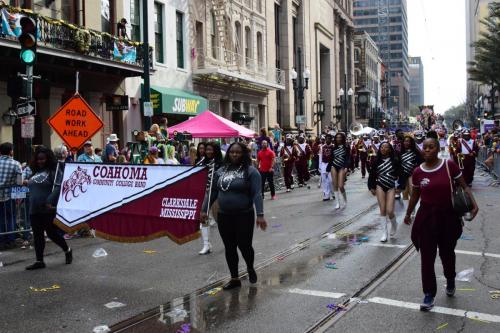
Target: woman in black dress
(213, 160)
(410, 158)
(340, 162)
(382, 182)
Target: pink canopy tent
(210, 125)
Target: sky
(436, 30)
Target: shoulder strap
(449, 178)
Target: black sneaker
(450, 288)
(252, 276)
(233, 283)
(69, 256)
(36, 265)
(428, 303)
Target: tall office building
(386, 22)
(416, 81)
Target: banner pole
(210, 191)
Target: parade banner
(132, 203)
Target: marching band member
(352, 151)
(340, 162)
(397, 142)
(419, 140)
(453, 146)
(468, 150)
(372, 150)
(304, 153)
(288, 155)
(411, 157)
(325, 157)
(362, 147)
(382, 183)
(443, 143)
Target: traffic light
(27, 39)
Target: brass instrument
(457, 125)
(356, 129)
(460, 160)
(371, 153)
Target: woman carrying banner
(200, 152)
(43, 199)
(437, 225)
(213, 160)
(236, 185)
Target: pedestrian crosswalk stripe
(316, 293)
(438, 309)
(472, 253)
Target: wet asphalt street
(174, 289)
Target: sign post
(75, 122)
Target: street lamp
(320, 111)
(344, 101)
(9, 117)
(300, 82)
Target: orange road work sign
(75, 122)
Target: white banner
(89, 190)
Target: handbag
(460, 199)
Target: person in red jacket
(265, 160)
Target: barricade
(482, 156)
(14, 214)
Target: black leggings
(41, 223)
(236, 231)
(269, 176)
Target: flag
(124, 53)
(132, 203)
(11, 23)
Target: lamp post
(320, 112)
(344, 100)
(9, 117)
(300, 82)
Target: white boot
(343, 203)
(337, 200)
(211, 221)
(383, 239)
(394, 225)
(207, 247)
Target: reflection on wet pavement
(211, 308)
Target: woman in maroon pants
(436, 224)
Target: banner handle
(210, 191)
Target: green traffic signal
(27, 39)
(28, 56)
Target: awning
(175, 101)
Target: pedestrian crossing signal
(27, 39)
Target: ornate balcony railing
(219, 57)
(60, 35)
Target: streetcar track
(350, 303)
(154, 312)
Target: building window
(135, 20)
(248, 46)
(213, 34)
(107, 16)
(238, 36)
(158, 25)
(259, 6)
(180, 39)
(260, 55)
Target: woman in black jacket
(382, 182)
(410, 158)
(43, 199)
(237, 187)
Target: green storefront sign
(175, 101)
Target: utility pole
(146, 93)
